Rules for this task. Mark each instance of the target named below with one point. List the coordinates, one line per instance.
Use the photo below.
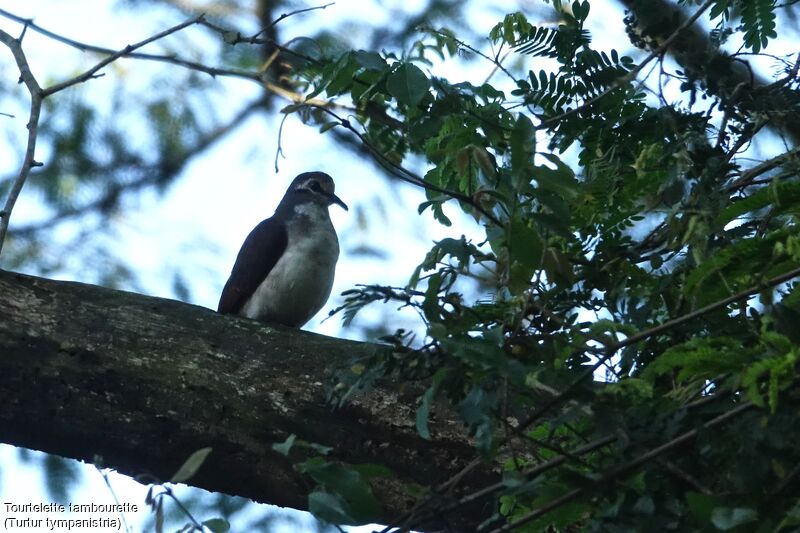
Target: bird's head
(317, 187)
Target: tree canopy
(618, 329)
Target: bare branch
(234, 37)
(38, 95)
(28, 162)
(89, 74)
(748, 175)
(233, 376)
(290, 14)
(171, 59)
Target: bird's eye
(315, 186)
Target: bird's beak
(338, 201)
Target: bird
(284, 271)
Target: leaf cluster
(627, 234)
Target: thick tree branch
(144, 382)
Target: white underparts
(300, 282)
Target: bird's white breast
(300, 282)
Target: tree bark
(143, 382)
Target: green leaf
(370, 60)
(720, 7)
(319, 448)
(758, 19)
(408, 84)
(525, 244)
(424, 408)
(345, 497)
(781, 195)
(422, 413)
(778, 369)
(476, 410)
(217, 525)
(292, 441)
(522, 147)
(191, 466)
(701, 506)
(329, 125)
(340, 78)
(286, 446)
(560, 180)
(700, 359)
(484, 160)
(726, 518)
(330, 508)
(644, 505)
(291, 108)
(580, 10)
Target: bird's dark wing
(259, 253)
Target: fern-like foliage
(598, 71)
(591, 74)
(758, 22)
(538, 42)
(550, 92)
(561, 43)
(583, 72)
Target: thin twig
(748, 175)
(684, 476)
(233, 38)
(28, 162)
(744, 139)
(168, 491)
(291, 14)
(212, 71)
(494, 61)
(279, 149)
(170, 59)
(38, 95)
(404, 174)
(124, 521)
(89, 74)
(254, 76)
(532, 472)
